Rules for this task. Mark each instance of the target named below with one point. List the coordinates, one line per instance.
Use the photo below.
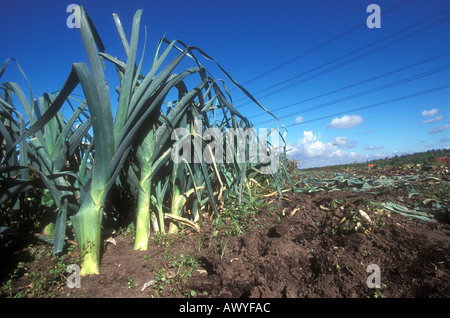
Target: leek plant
(151, 158)
(53, 152)
(144, 195)
(139, 140)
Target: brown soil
(302, 245)
(300, 257)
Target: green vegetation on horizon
(423, 158)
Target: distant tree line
(423, 158)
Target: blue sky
(346, 92)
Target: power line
(375, 105)
(321, 45)
(372, 90)
(354, 59)
(390, 85)
(356, 84)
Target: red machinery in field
(445, 160)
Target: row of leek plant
(55, 153)
(132, 149)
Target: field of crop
(172, 194)
(313, 242)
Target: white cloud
(439, 129)
(311, 146)
(312, 152)
(346, 122)
(433, 120)
(298, 120)
(429, 113)
(344, 143)
(373, 147)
